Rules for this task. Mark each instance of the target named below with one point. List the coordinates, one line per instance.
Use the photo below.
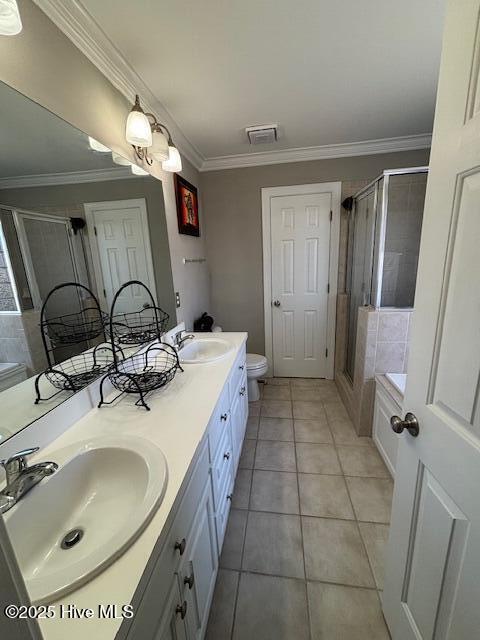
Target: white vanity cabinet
(176, 600)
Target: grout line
(306, 580)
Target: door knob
(276, 303)
(410, 424)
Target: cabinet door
(172, 624)
(199, 570)
(238, 419)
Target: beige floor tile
(277, 381)
(273, 545)
(375, 537)
(276, 392)
(309, 394)
(274, 491)
(306, 382)
(220, 620)
(362, 461)
(317, 458)
(306, 410)
(247, 456)
(254, 408)
(312, 431)
(276, 409)
(241, 491)
(276, 429)
(275, 456)
(324, 496)
(371, 498)
(270, 608)
(344, 433)
(231, 557)
(345, 613)
(335, 410)
(334, 552)
(252, 427)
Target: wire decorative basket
(72, 328)
(77, 372)
(139, 327)
(142, 373)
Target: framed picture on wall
(187, 207)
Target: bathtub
(389, 391)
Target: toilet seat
(255, 362)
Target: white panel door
(300, 239)
(121, 251)
(432, 585)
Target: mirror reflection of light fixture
(118, 159)
(95, 145)
(10, 21)
(160, 145)
(138, 171)
(138, 131)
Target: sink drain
(72, 538)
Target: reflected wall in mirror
(69, 212)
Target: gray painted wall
(233, 212)
(68, 200)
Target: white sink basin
(107, 488)
(201, 350)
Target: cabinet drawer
(223, 509)
(239, 369)
(222, 465)
(219, 422)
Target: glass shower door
(362, 229)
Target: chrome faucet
(21, 478)
(179, 341)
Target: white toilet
(257, 367)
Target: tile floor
(304, 549)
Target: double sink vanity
(136, 511)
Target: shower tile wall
(7, 299)
(20, 341)
(382, 346)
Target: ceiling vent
(262, 134)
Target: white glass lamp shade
(174, 162)
(138, 131)
(10, 21)
(138, 171)
(159, 148)
(118, 159)
(95, 145)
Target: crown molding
(323, 152)
(69, 177)
(79, 26)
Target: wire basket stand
(72, 328)
(77, 372)
(147, 370)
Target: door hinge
(326, 353)
(95, 230)
(104, 293)
(328, 288)
(331, 215)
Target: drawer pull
(224, 416)
(226, 455)
(181, 609)
(190, 581)
(180, 546)
(242, 391)
(230, 496)
(241, 367)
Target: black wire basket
(77, 372)
(139, 327)
(72, 328)
(143, 372)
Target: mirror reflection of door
(120, 243)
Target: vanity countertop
(177, 422)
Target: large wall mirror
(70, 212)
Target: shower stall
(384, 229)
